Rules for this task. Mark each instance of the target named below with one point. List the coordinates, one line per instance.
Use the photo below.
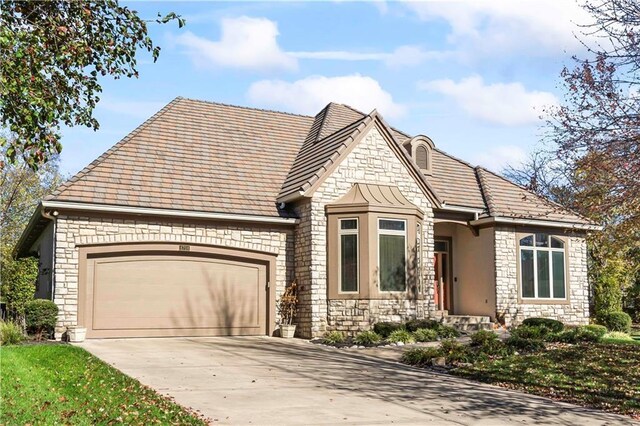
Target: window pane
(392, 225)
(392, 263)
(527, 241)
(349, 262)
(543, 274)
(349, 224)
(526, 268)
(440, 246)
(558, 275)
(556, 243)
(542, 240)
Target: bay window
(392, 249)
(348, 266)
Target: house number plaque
(184, 248)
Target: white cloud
(502, 103)
(402, 56)
(498, 26)
(249, 43)
(311, 94)
(498, 157)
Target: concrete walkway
(263, 381)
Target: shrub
(18, 277)
(616, 321)
(41, 316)
(492, 348)
(591, 332)
(538, 332)
(10, 333)
(524, 345)
(400, 335)
(553, 325)
(416, 324)
(618, 335)
(367, 338)
(384, 329)
(483, 337)
(447, 332)
(420, 356)
(333, 338)
(425, 335)
(455, 352)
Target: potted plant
(287, 308)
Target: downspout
(52, 217)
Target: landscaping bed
(63, 384)
(586, 365)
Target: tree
(52, 55)
(21, 188)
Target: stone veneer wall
(372, 162)
(80, 230)
(575, 313)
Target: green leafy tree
(21, 188)
(52, 54)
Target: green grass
(603, 376)
(62, 384)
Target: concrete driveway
(264, 381)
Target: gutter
(534, 222)
(167, 212)
(476, 212)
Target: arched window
(422, 157)
(542, 267)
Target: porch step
(468, 322)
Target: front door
(441, 263)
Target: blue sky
(473, 75)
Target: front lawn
(604, 376)
(62, 384)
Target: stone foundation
(352, 316)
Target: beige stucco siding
(76, 231)
(373, 162)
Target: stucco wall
(372, 162)
(575, 312)
(73, 231)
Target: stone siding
(371, 162)
(352, 316)
(74, 231)
(576, 312)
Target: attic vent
(422, 157)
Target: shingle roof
(199, 156)
(210, 157)
(506, 199)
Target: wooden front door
(441, 263)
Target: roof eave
(36, 217)
(536, 222)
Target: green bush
(333, 338)
(524, 345)
(616, 321)
(455, 352)
(618, 335)
(537, 332)
(420, 356)
(553, 325)
(591, 332)
(416, 324)
(492, 348)
(10, 333)
(18, 277)
(483, 337)
(384, 329)
(366, 338)
(425, 335)
(41, 316)
(447, 332)
(400, 335)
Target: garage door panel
(175, 295)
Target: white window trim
(357, 234)
(535, 249)
(406, 254)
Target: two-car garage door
(168, 292)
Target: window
(392, 249)
(422, 157)
(348, 255)
(542, 267)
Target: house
(195, 222)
